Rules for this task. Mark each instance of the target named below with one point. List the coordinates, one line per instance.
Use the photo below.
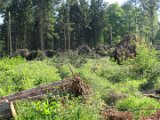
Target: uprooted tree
(126, 48)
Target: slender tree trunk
(9, 33)
(24, 36)
(152, 30)
(135, 17)
(111, 36)
(152, 20)
(95, 36)
(41, 31)
(68, 26)
(65, 40)
(64, 31)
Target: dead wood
(113, 114)
(7, 111)
(155, 116)
(73, 86)
(152, 96)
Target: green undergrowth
(138, 105)
(120, 86)
(17, 74)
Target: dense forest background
(66, 24)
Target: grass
(111, 84)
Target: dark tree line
(67, 24)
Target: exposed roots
(77, 87)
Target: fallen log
(152, 96)
(74, 86)
(34, 92)
(7, 111)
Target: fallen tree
(126, 48)
(152, 96)
(73, 86)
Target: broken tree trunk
(74, 86)
(35, 92)
(152, 96)
(7, 111)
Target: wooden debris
(155, 116)
(7, 111)
(152, 96)
(113, 114)
(74, 86)
(38, 91)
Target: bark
(37, 92)
(152, 96)
(68, 26)
(111, 37)
(9, 33)
(7, 111)
(41, 31)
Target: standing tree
(151, 7)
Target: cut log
(7, 111)
(38, 91)
(74, 86)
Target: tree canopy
(67, 24)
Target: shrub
(40, 110)
(145, 61)
(152, 79)
(112, 97)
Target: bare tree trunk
(135, 16)
(68, 26)
(151, 10)
(111, 36)
(24, 36)
(65, 40)
(9, 33)
(152, 33)
(41, 31)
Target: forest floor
(117, 92)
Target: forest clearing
(90, 87)
(79, 60)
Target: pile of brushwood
(126, 48)
(74, 86)
(113, 114)
(155, 116)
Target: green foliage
(146, 59)
(16, 76)
(152, 81)
(78, 111)
(39, 110)
(138, 105)
(112, 97)
(54, 110)
(111, 84)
